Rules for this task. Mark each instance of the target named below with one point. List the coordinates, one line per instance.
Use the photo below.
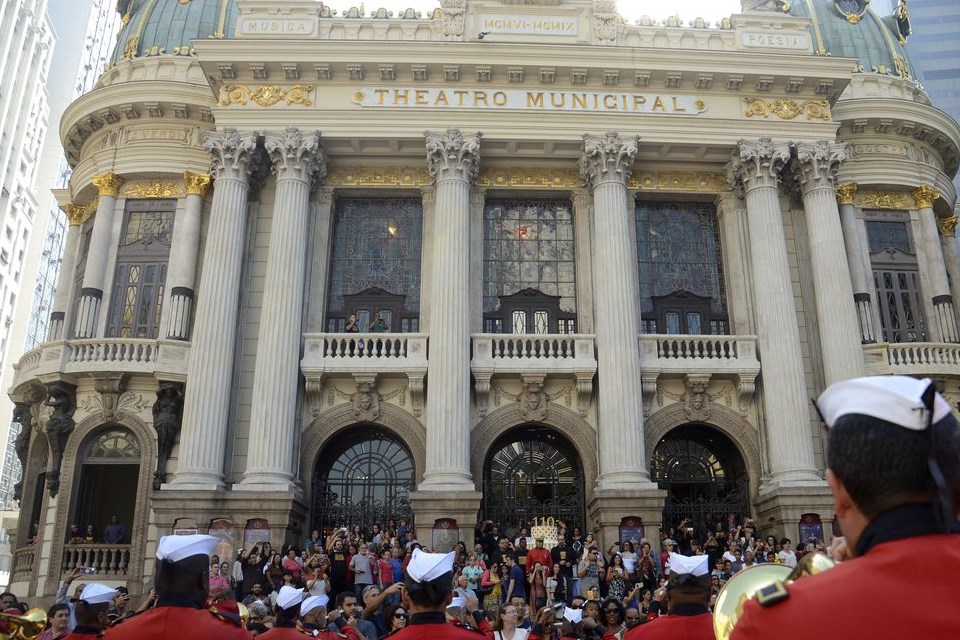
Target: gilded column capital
(108, 184)
(452, 155)
(758, 164)
(608, 158)
(846, 192)
(948, 226)
(817, 163)
(197, 184)
(925, 195)
(231, 152)
(76, 214)
(296, 154)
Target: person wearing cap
(429, 589)
(290, 606)
(893, 465)
(687, 597)
(313, 618)
(92, 611)
(182, 584)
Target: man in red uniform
(893, 465)
(313, 617)
(183, 579)
(429, 589)
(688, 597)
(93, 609)
(539, 555)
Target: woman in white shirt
(506, 626)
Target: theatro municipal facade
(507, 261)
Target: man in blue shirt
(516, 585)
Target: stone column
(948, 242)
(91, 293)
(858, 260)
(605, 166)
(209, 372)
(583, 245)
(298, 159)
(454, 161)
(931, 259)
(840, 338)
(76, 215)
(757, 166)
(182, 269)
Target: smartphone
(89, 571)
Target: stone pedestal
(430, 506)
(609, 506)
(778, 512)
(95, 272)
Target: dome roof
(166, 27)
(848, 29)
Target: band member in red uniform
(313, 618)
(183, 579)
(539, 555)
(93, 608)
(893, 465)
(688, 597)
(429, 589)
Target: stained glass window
(678, 250)
(376, 243)
(888, 235)
(148, 227)
(528, 244)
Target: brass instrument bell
(26, 627)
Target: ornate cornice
(197, 184)
(756, 164)
(108, 184)
(948, 226)
(817, 163)
(608, 158)
(266, 95)
(154, 189)
(296, 155)
(925, 195)
(453, 155)
(231, 152)
(846, 192)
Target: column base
(270, 485)
(779, 508)
(430, 506)
(447, 481)
(194, 482)
(609, 506)
(626, 481)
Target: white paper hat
(896, 399)
(424, 567)
(312, 603)
(176, 548)
(289, 597)
(457, 602)
(573, 616)
(96, 593)
(696, 565)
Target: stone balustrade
(364, 356)
(533, 357)
(23, 559)
(104, 559)
(166, 359)
(704, 357)
(912, 358)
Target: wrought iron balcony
(913, 358)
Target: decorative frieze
(787, 109)
(154, 189)
(885, 200)
(267, 95)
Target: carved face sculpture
(364, 401)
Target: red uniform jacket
(907, 588)
(83, 633)
(294, 633)
(176, 623)
(433, 626)
(541, 556)
(674, 627)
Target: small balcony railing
(104, 559)
(23, 559)
(913, 358)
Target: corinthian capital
(925, 195)
(108, 184)
(230, 152)
(608, 158)
(296, 155)
(817, 163)
(758, 164)
(453, 155)
(197, 183)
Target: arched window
(113, 444)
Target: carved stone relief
(167, 415)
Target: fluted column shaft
(931, 259)
(858, 260)
(605, 165)
(95, 272)
(209, 372)
(68, 265)
(757, 165)
(297, 159)
(454, 161)
(182, 269)
(840, 339)
(948, 243)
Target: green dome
(166, 27)
(876, 42)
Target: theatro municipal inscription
(521, 100)
(529, 25)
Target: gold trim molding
(377, 177)
(530, 179)
(925, 195)
(948, 226)
(107, 184)
(885, 200)
(680, 182)
(847, 192)
(266, 95)
(787, 109)
(154, 189)
(197, 184)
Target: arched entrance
(532, 472)
(363, 476)
(109, 476)
(703, 473)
